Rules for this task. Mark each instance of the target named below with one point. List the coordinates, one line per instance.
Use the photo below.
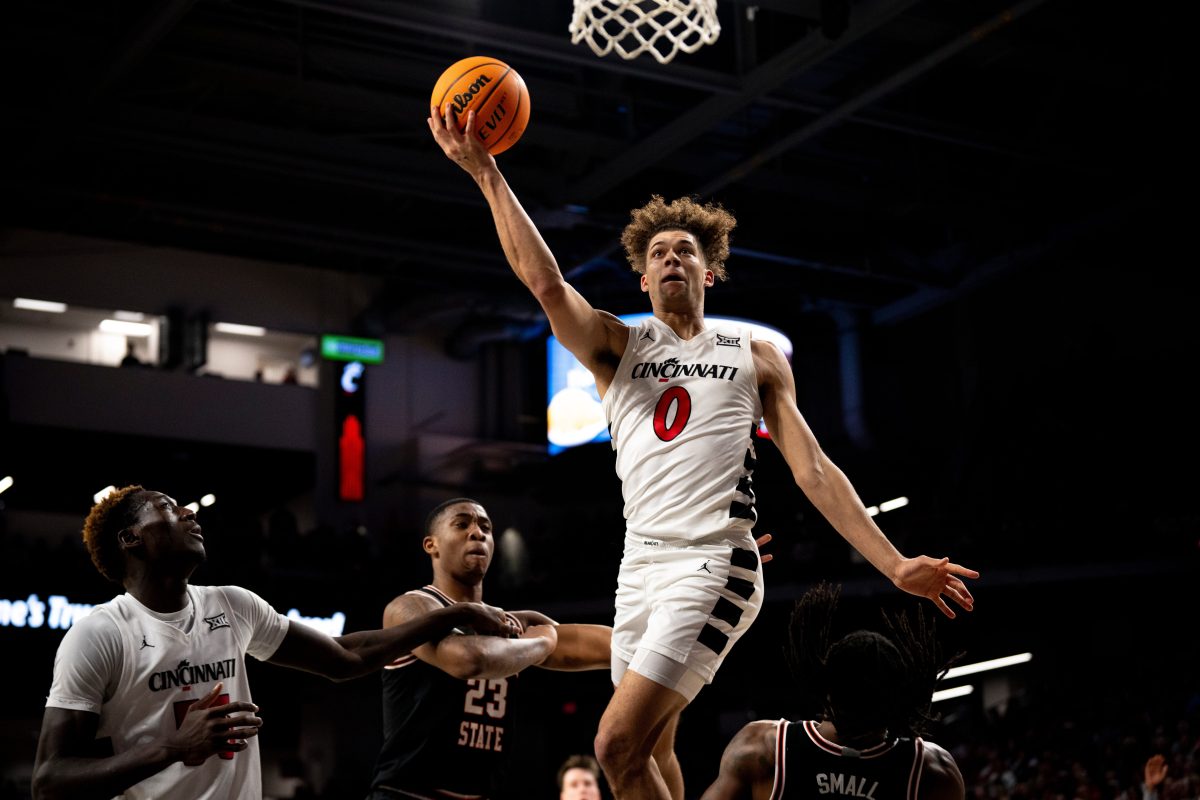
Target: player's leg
(637, 716)
(693, 604)
(668, 764)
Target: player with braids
(875, 690)
(152, 684)
(682, 400)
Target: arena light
(129, 316)
(193, 507)
(332, 626)
(208, 500)
(892, 505)
(103, 493)
(984, 666)
(872, 511)
(239, 330)
(39, 305)
(949, 694)
(6, 483)
(34, 612)
(58, 612)
(126, 328)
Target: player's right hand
(208, 729)
(484, 619)
(459, 146)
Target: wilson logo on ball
(494, 91)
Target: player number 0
(678, 396)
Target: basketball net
(633, 27)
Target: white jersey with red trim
(682, 416)
(139, 670)
(808, 766)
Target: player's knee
(616, 748)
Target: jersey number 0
(674, 396)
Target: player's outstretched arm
(468, 656)
(590, 335)
(580, 647)
(831, 492)
(747, 765)
(66, 766)
(363, 652)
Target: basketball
(494, 91)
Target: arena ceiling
(882, 156)
(999, 177)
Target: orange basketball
(494, 91)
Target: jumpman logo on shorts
(704, 567)
(145, 644)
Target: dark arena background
(970, 219)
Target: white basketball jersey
(682, 415)
(140, 670)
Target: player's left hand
(762, 542)
(934, 577)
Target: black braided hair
(866, 680)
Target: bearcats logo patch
(218, 621)
(729, 341)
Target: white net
(633, 27)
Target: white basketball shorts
(680, 608)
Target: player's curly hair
(109, 517)
(867, 680)
(709, 223)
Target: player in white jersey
(673, 624)
(152, 684)
(681, 415)
(686, 475)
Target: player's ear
(129, 538)
(645, 283)
(709, 277)
(429, 545)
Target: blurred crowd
(1028, 754)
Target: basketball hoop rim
(663, 28)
